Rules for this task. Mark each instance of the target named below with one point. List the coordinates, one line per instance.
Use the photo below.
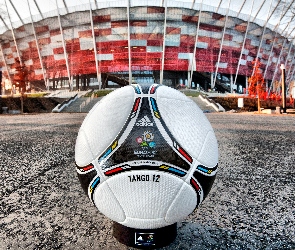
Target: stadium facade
(170, 42)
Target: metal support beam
(222, 39)
(65, 4)
(13, 35)
(37, 44)
(193, 59)
(220, 2)
(5, 63)
(96, 6)
(290, 69)
(283, 76)
(270, 55)
(275, 8)
(164, 46)
(15, 11)
(231, 83)
(98, 73)
(247, 85)
(287, 9)
(4, 23)
(287, 26)
(262, 4)
(273, 43)
(288, 79)
(239, 12)
(292, 74)
(276, 28)
(129, 43)
(193, 3)
(40, 12)
(243, 45)
(277, 65)
(292, 61)
(262, 36)
(63, 43)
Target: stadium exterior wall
(134, 39)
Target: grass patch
(36, 95)
(104, 92)
(99, 93)
(30, 95)
(190, 93)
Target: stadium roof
(276, 13)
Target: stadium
(98, 44)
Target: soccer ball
(146, 156)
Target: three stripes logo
(144, 122)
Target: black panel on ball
(85, 180)
(205, 181)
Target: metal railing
(64, 104)
(211, 103)
(86, 102)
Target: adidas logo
(144, 122)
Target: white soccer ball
(146, 156)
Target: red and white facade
(143, 39)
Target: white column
(164, 40)
(63, 43)
(287, 59)
(262, 36)
(41, 14)
(5, 64)
(129, 43)
(231, 83)
(276, 33)
(246, 85)
(278, 62)
(37, 44)
(222, 39)
(13, 35)
(98, 73)
(243, 46)
(193, 59)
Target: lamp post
(0, 89)
(0, 82)
(283, 88)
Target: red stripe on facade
(102, 19)
(190, 19)
(138, 23)
(85, 33)
(44, 41)
(113, 44)
(210, 27)
(119, 24)
(41, 29)
(58, 50)
(151, 10)
(54, 32)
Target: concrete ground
(251, 204)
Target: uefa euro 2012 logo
(146, 140)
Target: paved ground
(251, 205)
